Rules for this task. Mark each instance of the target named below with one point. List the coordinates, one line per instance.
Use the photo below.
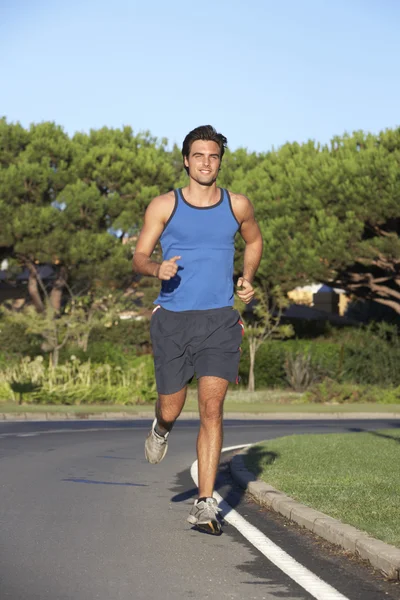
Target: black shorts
(201, 342)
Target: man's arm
(156, 216)
(250, 232)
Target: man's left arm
(251, 234)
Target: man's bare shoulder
(241, 206)
(165, 200)
(162, 205)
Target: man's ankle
(161, 430)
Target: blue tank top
(204, 238)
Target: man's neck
(201, 195)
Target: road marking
(83, 430)
(88, 428)
(302, 576)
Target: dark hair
(206, 133)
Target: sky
(263, 72)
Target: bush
(365, 355)
(15, 340)
(269, 371)
(332, 392)
(373, 356)
(326, 357)
(269, 368)
(127, 334)
(33, 381)
(300, 373)
(100, 353)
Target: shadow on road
(77, 480)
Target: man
(194, 328)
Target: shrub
(325, 360)
(325, 356)
(269, 368)
(299, 370)
(74, 382)
(332, 392)
(100, 353)
(365, 355)
(127, 334)
(15, 340)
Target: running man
(194, 328)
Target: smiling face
(203, 161)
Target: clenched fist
(246, 293)
(168, 268)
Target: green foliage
(269, 365)
(329, 391)
(75, 382)
(99, 353)
(15, 340)
(327, 213)
(372, 355)
(128, 334)
(369, 355)
(62, 198)
(299, 371)
(264, 323)
(326, 356)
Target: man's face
(203, 161)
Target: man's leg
(211, 391)
(168, 409)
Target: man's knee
(211, 412)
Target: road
(83, 516)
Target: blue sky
(262, 72)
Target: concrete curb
(50, 416)
(382, 556)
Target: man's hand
(168, 268)
(246, 293)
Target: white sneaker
(204, 514)
(156, 446)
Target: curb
(75, 416)
(382, 556)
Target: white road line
(302, 576)
(46, 431)
(86, 429)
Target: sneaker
(204, 515)
(156, 445)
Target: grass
(237, 401)
(353, 477)
(191, 406)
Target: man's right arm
(156, 216)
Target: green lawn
(236, 402)
(353, 477)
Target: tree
(262, 322)
(330, 214)
(35, 167)
(70, 202)
(327, 213)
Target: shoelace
(160, 439)
(213, 505)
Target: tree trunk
(57, 290)
(55, 355)
(252, 349)
(85, 341)
(33, 289)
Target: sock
(202, 499)
(159, 432)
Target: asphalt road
(83, 516)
